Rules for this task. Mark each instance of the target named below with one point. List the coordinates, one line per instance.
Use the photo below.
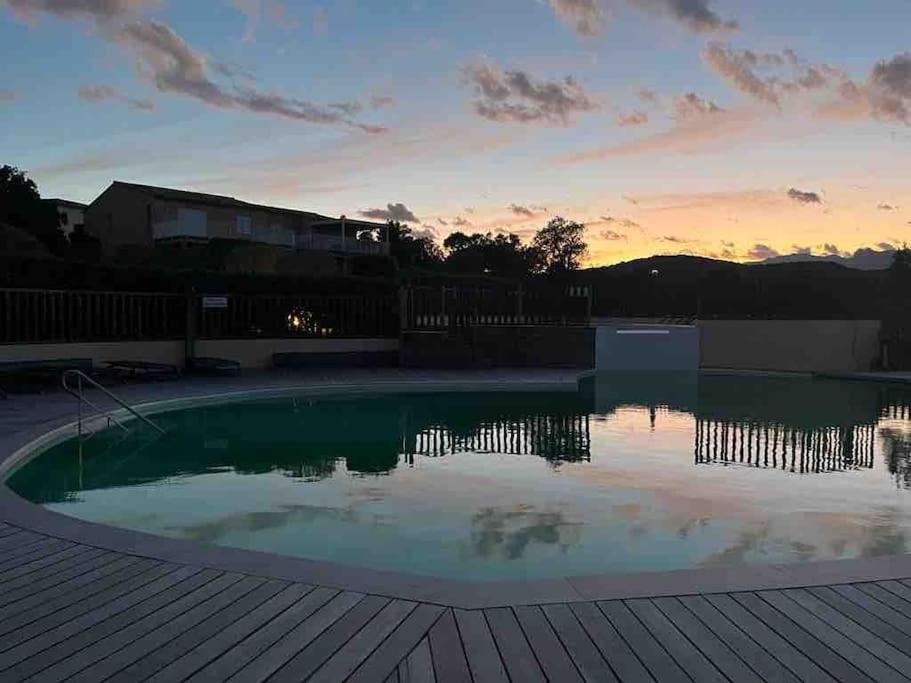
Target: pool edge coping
(466, 594)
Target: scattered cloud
(105, 93)
(890, 88)
(883, 206)
(393, 212)
(762, 252)
(622, 222)
(586, 17)
(255, 10)
(612, 236)
(319, 22)
(636, 118)
(690, 106)
(8, 95)
(460, 222)
(516, 96)
(442, 221)
(740, 69)
(886, 246)
(98, 10)
(648, 95)
(695, 15)
(519, 210)
(804, 197)
(830, 249)
(381, 101)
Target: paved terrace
(83, 602)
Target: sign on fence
(215, 302)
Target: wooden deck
(74, 612)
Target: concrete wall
(250, 353)
(646, 347)
(790, 345)
(119, 216)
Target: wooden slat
(774, 644)
(898, 588)
(520, 661)
(875, 606)
(449, 661)
(675, 642)
(622, 660)
(400, 642)
(547, 647)
(480, 649)
(310, 658)
(583, 652)
(213, 647)
(707, 642)
(811, 646)
(769, 668)
(347, 658)
(41, 567)
(192, 630)
(53, 575)
(640, 641)
(884, 630)
(825, 633)
(417, 667)
(279, 630)
(34, 550)
(55, 644)
(889, 598)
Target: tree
(502, 255)
(561, 245)
(21, 206)
(410, 250)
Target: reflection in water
(509, 532)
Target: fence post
(520, 304)
(190, 326)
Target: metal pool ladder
(79, 392)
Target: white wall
(633, 346)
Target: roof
(170, 194)
(66, 202)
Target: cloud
(381, 101)
(586, 17)
(393, 212)
(648, 95)
(829, 249)
(804, 197)
(255, 10)
(690, 106)
(696, 15)
(104, 93)
(739, 68)
(636, 118)
(460, 222)
(521, 210)
(762, 252)
(883, 206)
(164, 58)
(516, 96)
(99, 10)
(8, 95)
(886, 246)
(442, 221)
(890, 88)
(612, 236)
(319, 22)
(622, 222)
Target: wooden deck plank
(47, 565)
(68, 613)
(876, 607)
(898, 639)
(18, 537)
(206, 652)
(547, 647)
(29, 609)
(53, 575)
(716, 651)
(215, 619)
(805, 641)
(898, 588)
(891, 600)
(837, 641)
(10, 558)
(480, 650)
(327, 643)
(517, 655)
(287, 647)
(774, 644)
(447, 653)
(676, 642)
(359, 647)
(58, 643)
(386, 658)
(769, 668)
(112, 653)
(585, 655)
(249, 649)
(622, 660)
(853, 630)
(650, 652)
(417, 667)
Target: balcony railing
(318, 242)
(167, 230)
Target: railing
(318, 316)
(79, 393)
(318, 242)
(49, 316)
(431, 308)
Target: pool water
(633, 472)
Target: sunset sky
(730, 128)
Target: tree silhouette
(21, 206)
(409, 250)
(561, 244)
(501, 255)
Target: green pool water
(633, 472)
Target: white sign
(215, 302)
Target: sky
(732, 129)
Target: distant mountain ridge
(862, 259)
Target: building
(127, 214)
(71, 214)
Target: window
(244, 226)
(191, 223)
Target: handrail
(82, 377)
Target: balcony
(319, 242)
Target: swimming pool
(634, 472)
